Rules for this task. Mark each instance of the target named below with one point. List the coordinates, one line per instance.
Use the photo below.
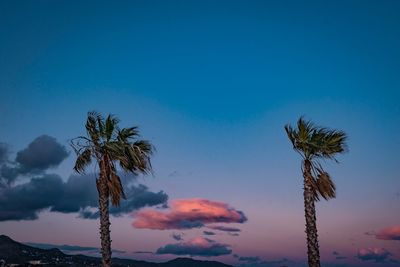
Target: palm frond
(92, 126)
(109, 145)
(313, 141)
(116, 189)
(292, 134)
(127, 133)
(83, 160)
(111, 124)
(136, 157)
(334, 143)
(326, 187)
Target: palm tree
(108, 146)
(314, 143)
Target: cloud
(24, 201)
(208, 233)
(373, 254)
(143, 252)
(8, 174)
(42, 153)
(198, 246)
(369, 233)
(77, 195)
(255, 261)
(249, 259)
(3, 153)
(137, 197)
(389, 233)
(338, 256)
(224, 228)
(188, 213)
(177, 237)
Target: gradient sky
(211, 84)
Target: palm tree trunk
(310, 214)
(102, 188)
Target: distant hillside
(13, 252)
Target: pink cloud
(374, 254)
(389, 233)
(188, 213)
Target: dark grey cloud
(25, 201)
(373, 254)
(198, 246)
(3, 153)
(137, 196)
(224, 228)
(208, 233)
(256, 261)
(177, 237)
(370, 233)
(78, 194)
(249, 259)
(143, 252)
(41, 154)
(8, 174)
(338, 256)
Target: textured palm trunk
(102, 188)
(311, 221)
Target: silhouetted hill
(13, 252)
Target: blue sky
(211, 84)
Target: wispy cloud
(389, 233)
(250, 259)
(208, 233)
(224, 228)
(338, 256)
(177, 237)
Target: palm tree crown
(314, 143)
(109, 145)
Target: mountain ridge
(13, 252)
